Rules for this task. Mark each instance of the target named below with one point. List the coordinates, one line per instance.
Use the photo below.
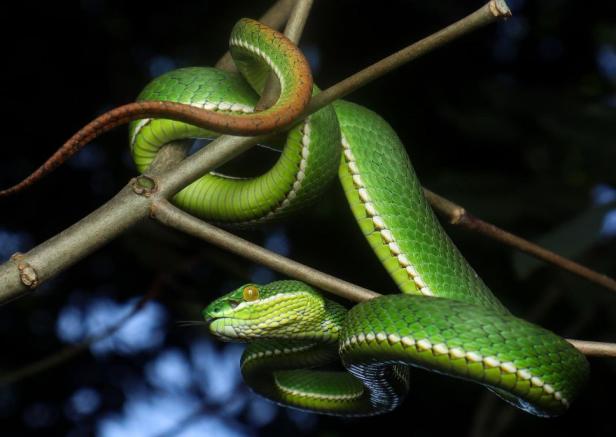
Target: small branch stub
(144, 185)
(500, 9)
(27, 273)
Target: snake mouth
(212, 319)
(219, 328)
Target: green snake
(446, 320)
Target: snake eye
(250, 293)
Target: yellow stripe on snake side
(257, 51)
(270, 352)
(379, 224)
(244, 304)
(210, 106)
(317, 395)
(299, 176)
(423, 345)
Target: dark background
(516, 122)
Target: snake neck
(297, 312)
(331, 326)
(321, 323)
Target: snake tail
(274, 52)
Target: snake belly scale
(446, 319)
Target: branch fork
(147, 195)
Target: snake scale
(446, 319)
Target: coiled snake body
(447, 320)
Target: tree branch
(490, 12)
(24, 272)
(459, 216)
(594, 348)
(171, 216)
(456, 214)
(147, 194)
(174, 217)
(225, 147)
(133, 203)
(69, 352)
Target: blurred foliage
(515, 122)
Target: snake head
(272, 311)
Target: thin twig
(57, 358)
(594, 348)
(297, 20)
(492, 11)
(174, 217)
(459, 216)
(157, 286)
(456, 214)
(127, 208)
